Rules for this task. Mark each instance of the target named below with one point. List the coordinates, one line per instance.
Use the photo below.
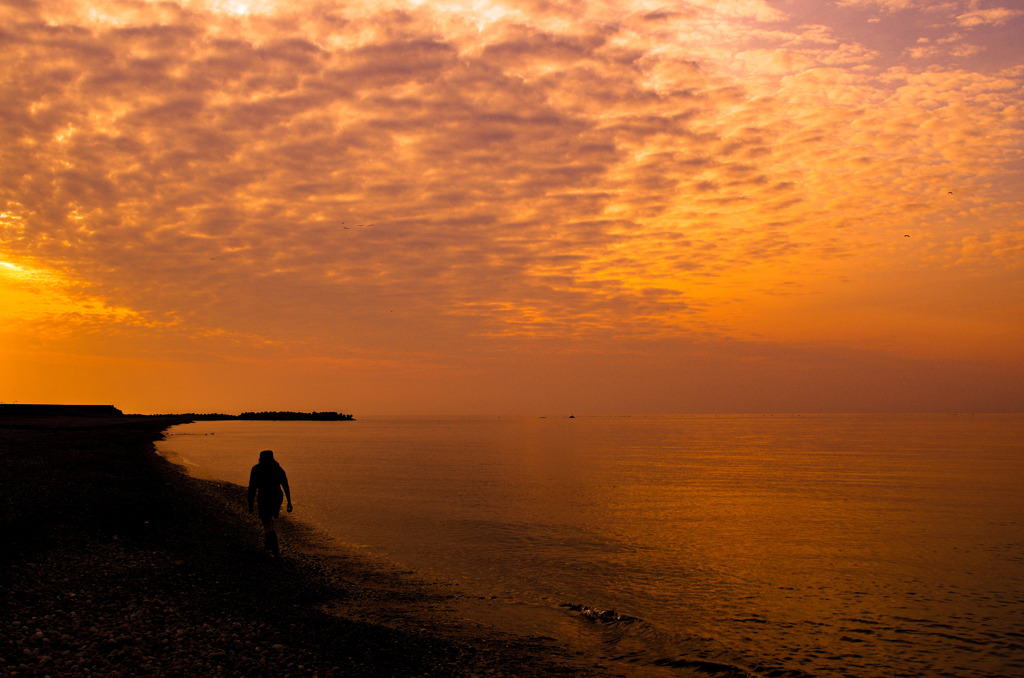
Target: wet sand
(114, 562)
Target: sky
(513, 207)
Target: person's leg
(270, 536)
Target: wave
(639, 643)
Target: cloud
(168, 155)
(996, 16)
(943, 50)
(752, 9)
(427, 181)
(884, 5)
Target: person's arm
(287, 492)
(252, 487)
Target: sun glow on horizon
(33, 295)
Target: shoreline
(119, 563)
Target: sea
(873, 546)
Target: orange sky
(477, 206)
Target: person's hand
(289, 507)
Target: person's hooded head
(267, 457)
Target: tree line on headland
(267, 416)
(296, 416)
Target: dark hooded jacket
(266, 481)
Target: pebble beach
(114, 562)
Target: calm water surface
(872, 545)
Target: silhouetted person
(265, 483)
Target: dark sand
(113, 562)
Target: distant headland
(109, 411)
(272, 416)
